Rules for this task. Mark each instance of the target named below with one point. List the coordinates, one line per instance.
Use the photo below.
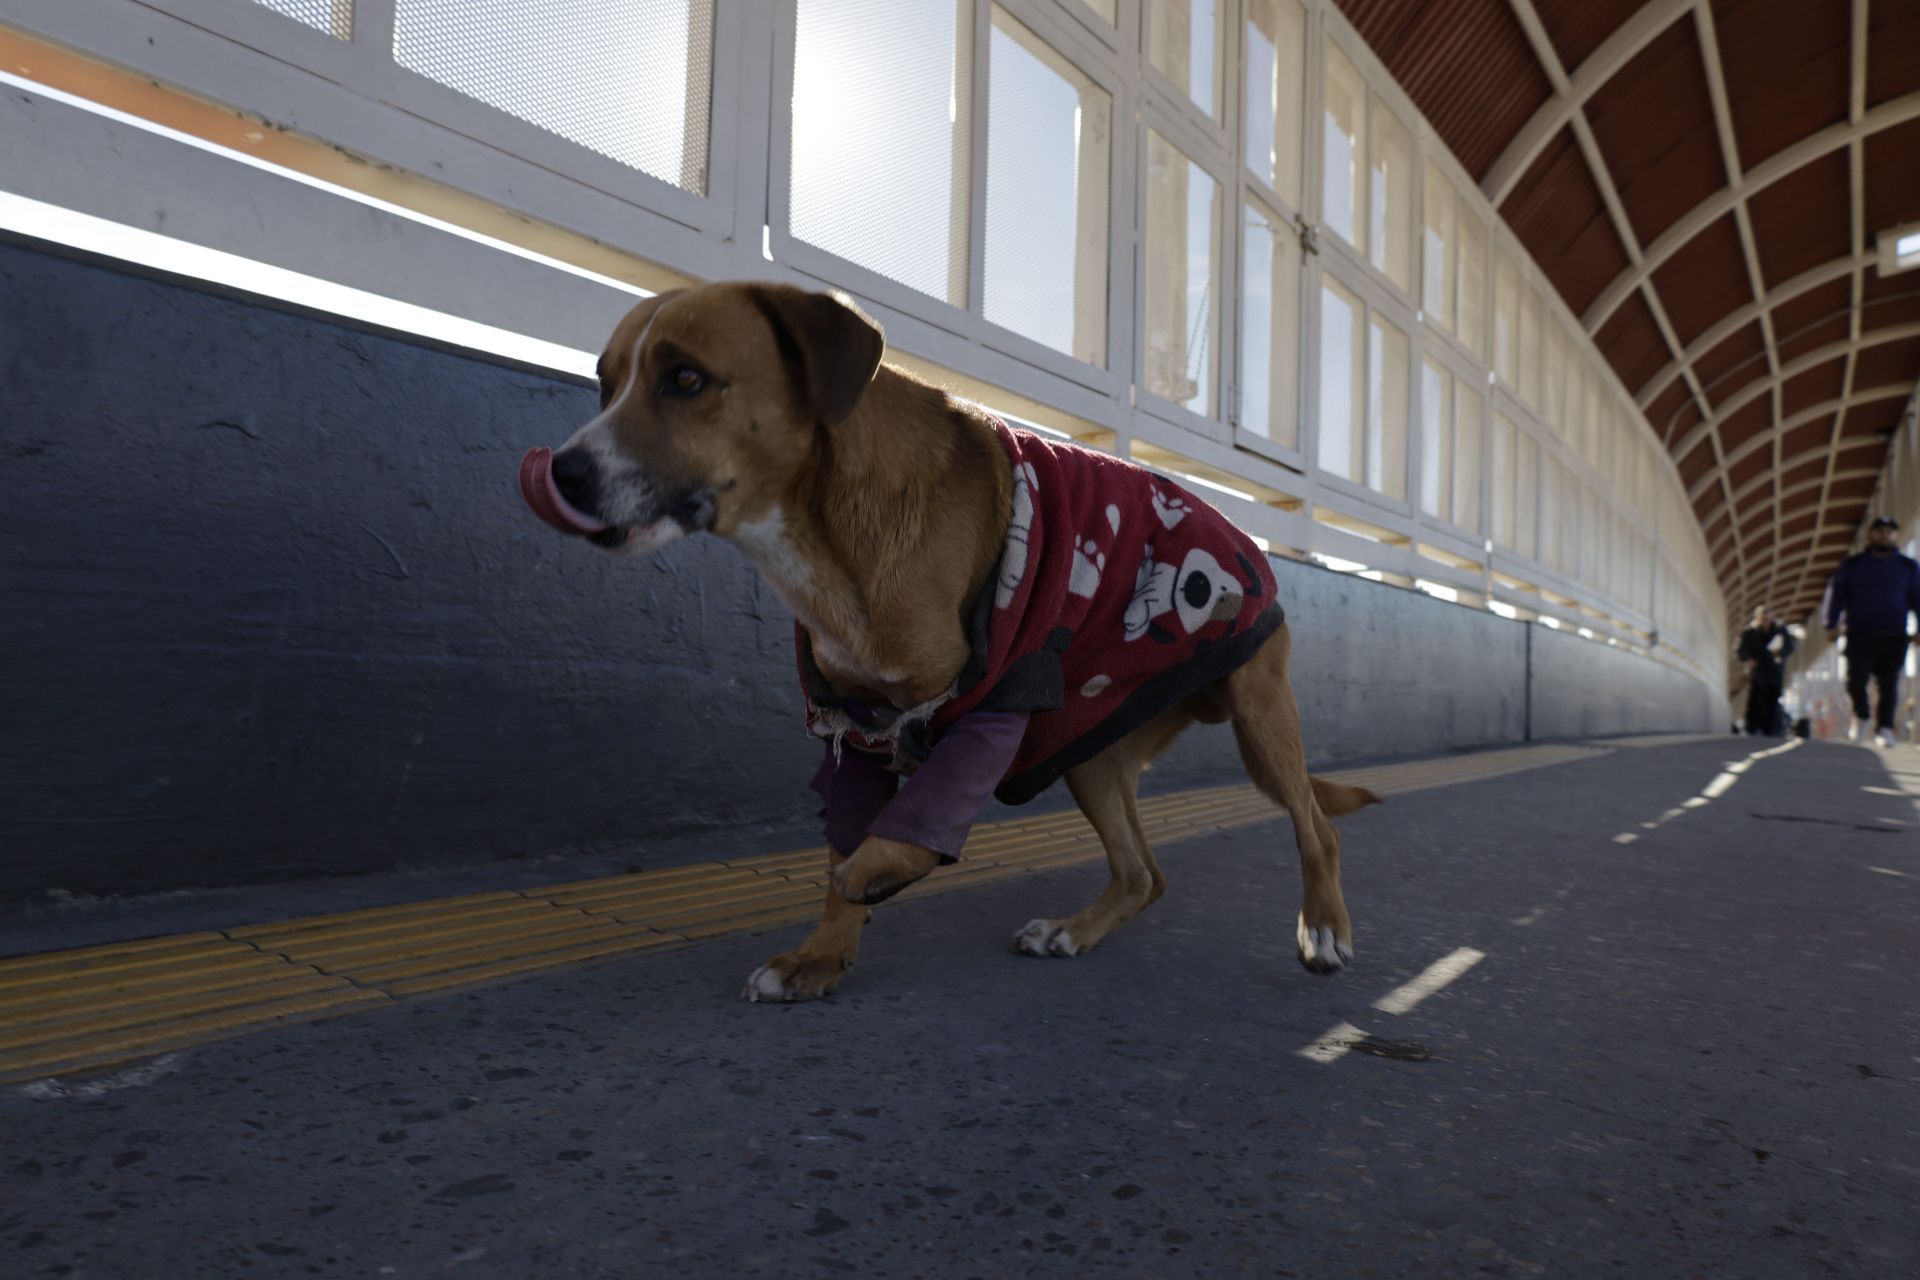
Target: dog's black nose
(573, 476)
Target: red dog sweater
(1118, 595)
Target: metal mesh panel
(881, 152)
(629, 79)
(335, 17)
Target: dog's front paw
(1320, 951)
(795, 976)
(1045, 938)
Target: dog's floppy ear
(830, 346)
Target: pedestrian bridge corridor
(1639, 1002)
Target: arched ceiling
(1703, 182)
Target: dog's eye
(685, 380)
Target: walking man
(1874, 591)
(1764, 648)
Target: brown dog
(880, 508)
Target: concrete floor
(1695, 1053)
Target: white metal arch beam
(1805, 509)
(1765, 478)
(1812, 360)
(1885, 116)
(1834, 537)
(1557, 112)
(1805, 282)
(1871, 395)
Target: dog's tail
(1336, 798)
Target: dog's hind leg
(816, 966)
(1266, 722)
(1104, 787)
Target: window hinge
(1309, 234)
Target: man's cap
(1883, 522)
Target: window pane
(1468, 410)
(1530, 346)
(1472, 325)
(1343, 171)
(1526, 492)
(1585, 411)
(1386, 409)
(1552, 496)
(1506, 321)
(1436, 440)
(1501, 492)
(1593, 566)
(1270, 328)
(1276, 55)
(1341, 370)
(1570, 525)
(1617, 560)
(626, 78)
(1049, 144)
(1436, 249)
(880, 138)
(1183, 44)
(1182, 202)
(1390, 189)
(1556, 389)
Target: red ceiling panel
(1579, 27)
(1557, 212)
(1892, 158)
(1815, 386)
(1782, 90)
(1887, 364)
(1810, 338)
(1867, 453)
(1803, 220)
(1632, 344)
(1798, 524)
(1878, 418)
(1705, 280)
(1715, 522)
(1654, 124)
(1697, 463)
(1806, 437)
(1786, 66)
(1736, 361)
(1893, 50)
(1750, 467)
(1660, 414)
(1822, 302)
(1686, 420)
(1465, 63)
(1892, 309)
(1746, 422)
(1858, 489)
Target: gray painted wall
(274, 608)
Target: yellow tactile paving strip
(97, 1007)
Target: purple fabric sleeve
(937, 805)
(856, 787)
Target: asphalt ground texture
(1694, 1054)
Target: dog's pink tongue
(538, 488)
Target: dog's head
(711, 400)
